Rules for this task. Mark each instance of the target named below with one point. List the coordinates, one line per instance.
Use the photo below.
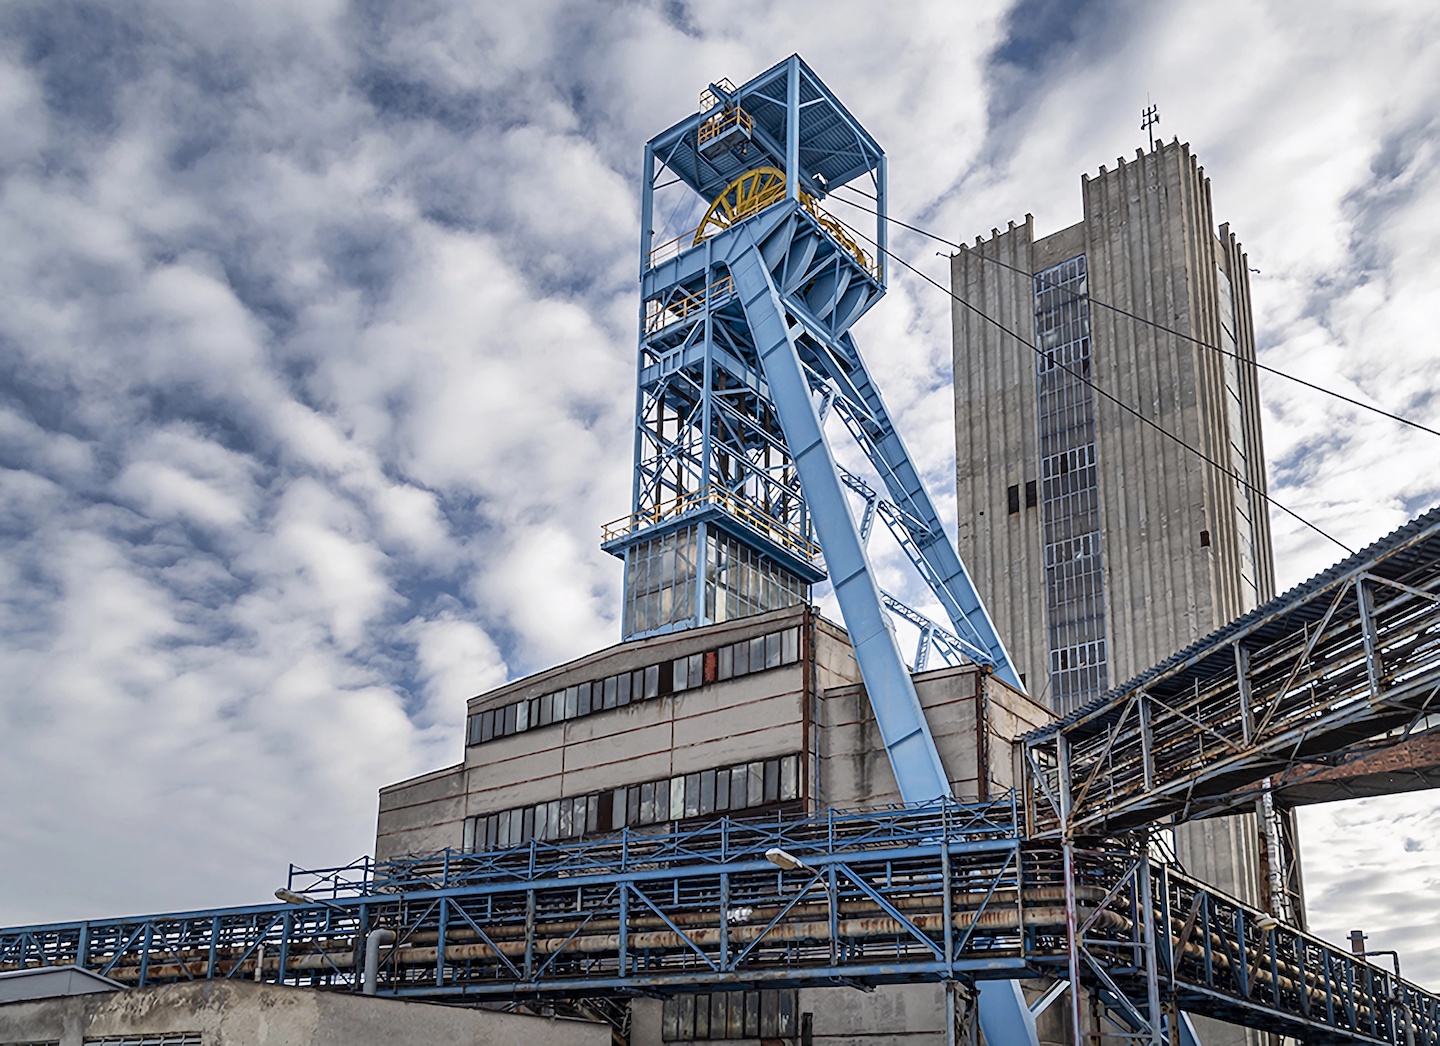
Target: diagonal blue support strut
(916, 762)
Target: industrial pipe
(376, 940)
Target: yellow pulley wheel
(749, 194)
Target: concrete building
(761, 714)
(1101, 545)
(243, 1013)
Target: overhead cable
(1100, 391)
(1142, 319)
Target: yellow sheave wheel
(749, 194)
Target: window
(765, 782)
(758, 654)
(764, 1014)
(617, 691)
(660, 577)
(1012, 499)
(1067, 491)
(1032, 494)
(1204, 539)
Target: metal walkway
(1348, 661)
(945, 893)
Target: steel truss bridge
(1060, 881)
(942, 893)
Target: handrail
(659, 315)
(719, 497)
(748, 207)
(713, 127)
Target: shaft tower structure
(745, 345)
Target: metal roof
(833, 144)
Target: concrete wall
(756, 716)
(1151, 245)
(973, 718)
(241, 1013)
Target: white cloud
(318, 355)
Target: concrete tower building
(1102, 544)
(1138, 545)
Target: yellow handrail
(743, 510)
(712, 127)
(658, 315)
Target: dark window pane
(722, 790)
(582, 706)
(662, 801)
(527, 827)
(742, 658)
(645, 802)
(707, 793)
(1012, 498)
(547, 708)
(487, 725)
(772, 780)
(790, 777)
(509, 720)
(702, 1016)
(1031, 495)
(535, 704)
(664, 682)
(692, 795)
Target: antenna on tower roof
(1149, 117)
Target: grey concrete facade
(814, 708)
(242, 1013)
(1182, 546)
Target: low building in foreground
(243, 1013)
(760, 715)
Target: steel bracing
(745, 341)
(1350, 659)
(944, 893)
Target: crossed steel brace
(947, 893)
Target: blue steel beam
(913, 756)
(944, 893)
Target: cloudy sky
(316, 349)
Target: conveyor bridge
(948, 892)
(1346, 662)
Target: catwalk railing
(944, 892)
(1350, 656)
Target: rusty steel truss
(945, 893)
(1348, 661)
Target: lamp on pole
(788, 862)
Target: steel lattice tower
(745, 346)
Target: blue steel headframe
(745, 323)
